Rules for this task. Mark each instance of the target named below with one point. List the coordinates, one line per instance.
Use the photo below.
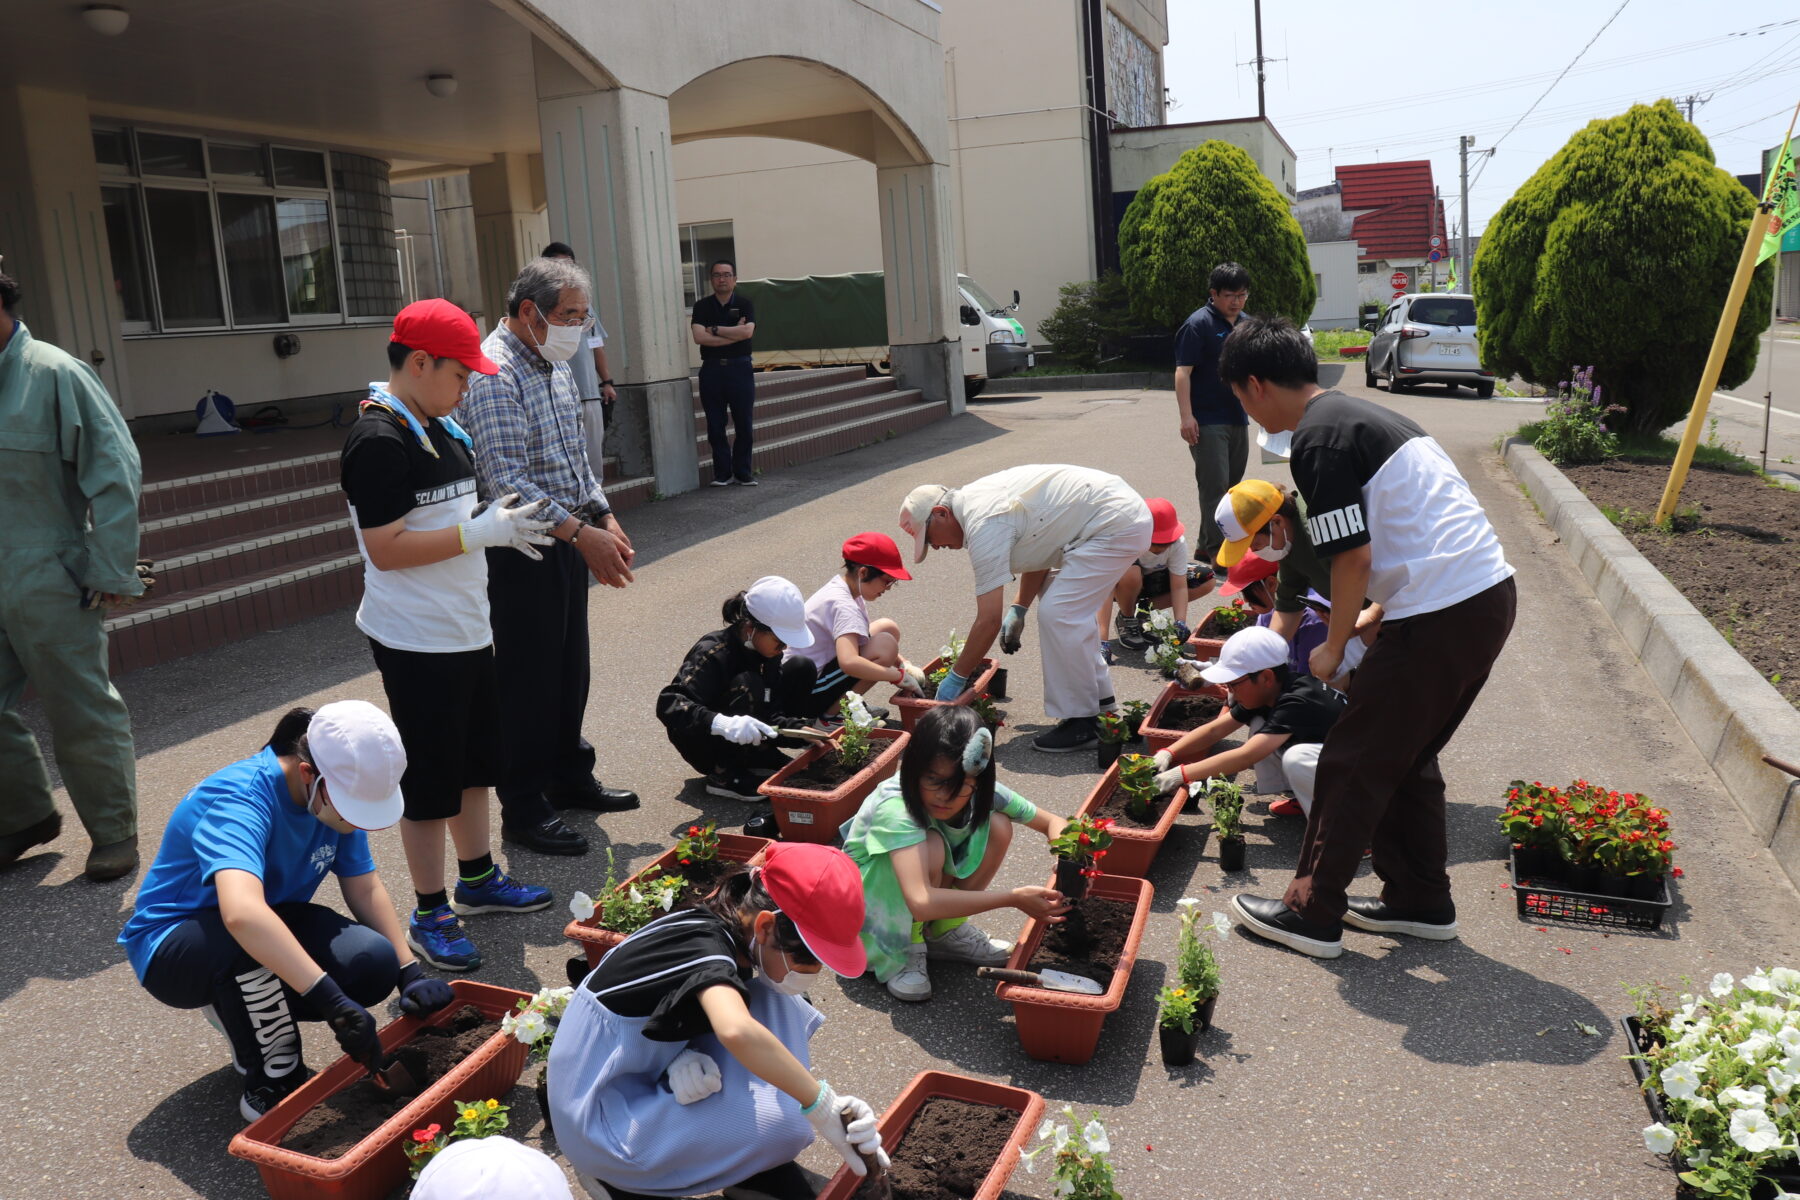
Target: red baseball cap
(821, 891)
(1168, 526)
(876, 550)
(442, 330)
(1246, 571)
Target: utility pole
(1261, 108)
(1686, 102)
(1462, 255)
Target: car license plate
(1450, 349)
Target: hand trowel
(1056, 981)
(389, 1074)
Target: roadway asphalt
(1741, 409)
(1402, 1070)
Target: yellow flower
(492, 1105)
(469, 1114)
(1181, 991)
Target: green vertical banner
(1782, 193)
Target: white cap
(775, 602)
(915, 514)
(1246, 652)
(358, 751)
(491, 1168)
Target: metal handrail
(1780, 765)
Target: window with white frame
(214, 233)
(703, 244)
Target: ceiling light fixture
(107, 20)
(442, 86)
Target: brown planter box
(1157, 738)
(377, 1165)
(1204, 649)
(595, 940)
(912, 708)
(1132, 850)
(930, 1085)
(808, 816)
(1064, 1026)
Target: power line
(1559, 78)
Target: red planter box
(1132, 850)
(377, 1165)
(808, 816)
(1065, 1026)
(931, 1085)
(596, 940)
(1155, 736)
(1204, 649)
(912, 708)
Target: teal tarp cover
(819, 311)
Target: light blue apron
(617, 1121)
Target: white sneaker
(212, 1018)
(913, 983)
(968, 944)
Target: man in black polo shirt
(723, 324)
(1212, 421)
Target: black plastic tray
(1542, 900)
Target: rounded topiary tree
(1617, 254)
(1213, 206)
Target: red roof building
(1400, 209)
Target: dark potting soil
(1117, 806)
(1734, 553)
(946, 1151)
(700, 878)
(1209, 628)
(331, 1128)
(1189, 712)
(825, 773)
(1089, 942)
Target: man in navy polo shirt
(722, 326)
(1212, 421)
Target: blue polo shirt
(1197, 345)
(239, 818)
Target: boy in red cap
(851, 652)
(410, 478)
(1159, 578)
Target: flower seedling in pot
(1078, 850)
(947, 656)
(1081, 1167)
(628, 909)
(474, 1119)
(1135, 712)
(1227, 619)
(988, 711)
(853, 742)
(699, 844)
(1227, 801)
(1137, 779)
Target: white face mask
(791, 984)
(560, 341)
(1270, 554)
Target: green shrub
(1574, 426)
(1213, 206)
(1091, 322)
(1618, 252)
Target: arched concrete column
(918, 261)
(507, 196)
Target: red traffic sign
(1398, 279)
(1399, 293)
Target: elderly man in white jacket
(1088, 526)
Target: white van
(994, 343)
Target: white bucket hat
(490, 1168)
(358, 751)
(775, 602)
(1246, 652)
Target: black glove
(350, 1021)
(422, 994)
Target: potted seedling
(1590, 854)
(989, 712)
(474, 1119)
(1165, 649)
(1227, 800)
(982, 683)
(1081, 1168)
(679, 877)
(1135, 711)
(1078, 850)
(1140, 820)
(1115, 731)
(1185, 1010)
(1137, 779)
(821, 789)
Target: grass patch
(1327, 342)
(1654, 447)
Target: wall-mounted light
(441, 86)
(286, 345)
(107, 20)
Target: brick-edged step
(231, 561)
(824, 417)
(182, 624)
(848, 435)
(240, 520)
(173, 496)
(769, 408)
(627, 494)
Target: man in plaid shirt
(526, 426)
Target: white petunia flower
(1699, 1159)
(1754, 1130)
(1064, 1187)
(1029, 1157)
(581, 906)
(668, 899)
(637, 897)
(1659, 1138)
(1681, 1081)
(1721, 985)
(1754, 1047)
(1187, 903)
(1741, 1097)
(506, 1024)
(1150, 656)
(1046, 1129)
(1789, 1037)
(1781, 1082)
(1758, 982)
(1785, 979)
(530, 1026)
(1062, 1136)
(1094, 1134)
(1220, 924)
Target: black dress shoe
(1275, 921)
(550, 836)
(592, 796)
(1371, 915)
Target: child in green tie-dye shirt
(928, 843)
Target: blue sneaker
(499, 892)
(437, 937)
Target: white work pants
(1075, 675)
(593, 430)
(1293, 769)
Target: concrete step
(798, 448)
(172, 496)
(770, 384)
(626, 494)
(786, 403)
(826, 416)
(223, 564)
(240, 520)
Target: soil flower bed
(1732, 551)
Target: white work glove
(914, 680)
(1169, 779)
(1163, 760)
(693, 1076)
(849, 1125)
(1012, 629)
(506, 523)
(742, 731)
(1354, 649)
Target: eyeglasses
(1243, 295)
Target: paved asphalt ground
(1403, 1070)
(1740, 410)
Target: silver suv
(1427, 338)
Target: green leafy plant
(1627, 204)
(854, 745)
(1196, 969)
(1227, 800)
(1084, 840)
(474, 1119)
(1727, 1063)
(947, 656)
(1227, 619)
(1135, 712)
(1574, 426)
(1115, 728)
(1137, 779)
(699, 844)
(988, 711)
(1091, 323)
(1083, 1169)
(1175, 1008)
(628, 907)
(533, 1020)
(1213, 206)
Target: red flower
(693, 829)
(1084, 839)
(427, 1133)
(1537, 819)
(1665, 845)
(1678, 872)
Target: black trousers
(200, 963)
(750, 694)
(728, 385)
(540, 617)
